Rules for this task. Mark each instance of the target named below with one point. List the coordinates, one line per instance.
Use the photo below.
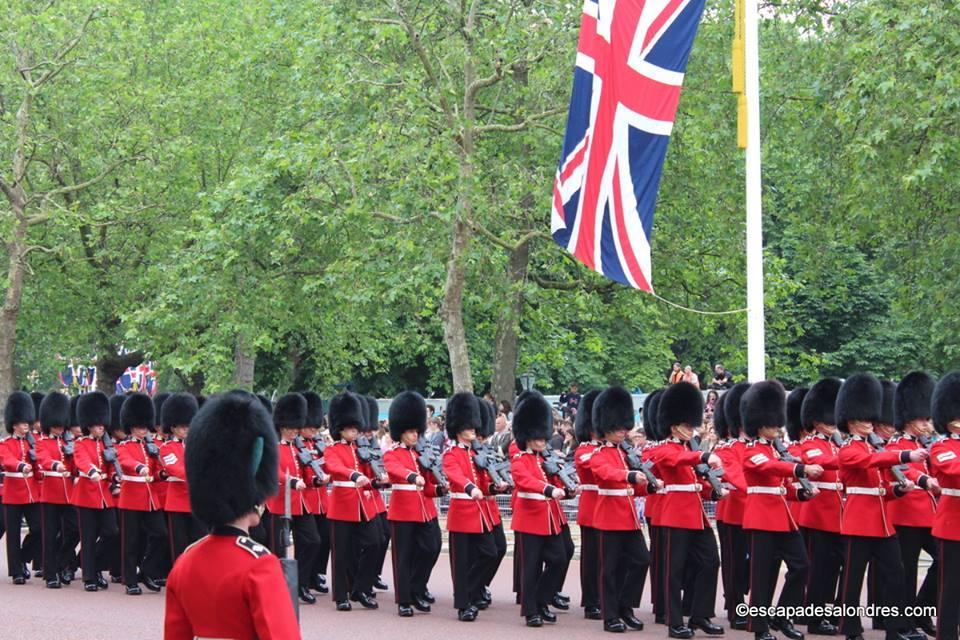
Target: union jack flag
(631, 59)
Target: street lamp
(526, 381)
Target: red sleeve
(683, 458)
(336, 466)
(858, 457)
(524, 478)
(398, 472)
(822, 455)
(81, 457)
(944, 460)
(732, 472)
(269, 601)
(762, 463)
(44, 458)
(606, 472)
(173, 463)
(9, 461)
(176, 624)
(455, 476)
(128, 462)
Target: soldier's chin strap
(257, 455)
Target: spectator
(556, 442)
(722, 379)
(690, 376)
(570, 401)
(507, 410)
(502, 436)
(676, 374)
(710, 403)
(430, 411)
(638, 438)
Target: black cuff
(922, 481)
(139, 467)
(469, 488)
(898, 492)
(21, 467)
(411, 478)
(904, 457)
(800, 470)
(354, 476)
(91, 472)
(632, 477)
(293, 481)
(705, 457)
(548, 490)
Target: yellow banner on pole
(739, 73)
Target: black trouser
(415, 552)
(98, 534)
(589, 567)
(725, 534)
(376, 552)
(543, 563)
(767, 549)
(912, 541)
(110, 549)
(683, 548)
(472, 555)
(59, 538)
(143, 537)
(323, 552)
(184, 529)
(624, 560)
(825, 550)
(346, 540)
(71, 532)
(20, 552)
(948, 592)
(159, 548)
(500, 540)
(569, 549)
(884, 555)
(657, 564)
(306, 542)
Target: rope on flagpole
(700, 311)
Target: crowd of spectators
(722, 378)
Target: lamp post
(526, 381)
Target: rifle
(287, 564)
(110, 457)
(371, 454)
(636, 463)
(497, 467)
(927, 441)
(429, 460)
(68, 443)
(897, 470)
(785, 454)
(306, 458)
(704, 471)
(151, 446)
(836, 438)
(557, 466)
(32, 451)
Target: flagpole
(756, 365)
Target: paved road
(31, 612)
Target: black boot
(706, 625)
(534, 621)
(683, 632)
(547, 615)
(467, 615)
(591, 613)
(631, 620)
(405, 611)
(305, 596)
(614, 625)
(822, 628)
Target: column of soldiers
(870, 478)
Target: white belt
(615, 492)
(589, 487)
(136, 478)
(682, 488)
(460, 496)
(953, 493)
(777, 491)
(530, 495)
(831, 486)
(13, 474)
(866, 491)
(344, 483)
(174, 479)
(56, 474)
(405, 487)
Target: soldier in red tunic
(651, 508)
(353, 508)
(315, 496)
(227, 585)
(738, 540)
(368, 436)
(797, 434)
(589, 443)
(21, 491)
(412, 515)
(945, 465)
(177, 411)
(56, 466)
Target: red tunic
(860, 469)
(681, 506)
(823, 512)
(916, 508)
(178, 495)
(408, 502)
(136, 491)
(315, 495)
(534, 510)
(347, 501)
(588, 484)
(765, 473)
(228, 586)
(615, 510)
(733, 513)
(57, 471)
(466, 515)
(945, 464)
(289, 467)
(160, 485)
(20, 487)
(795, 505)
(88, 459)
(653, 502)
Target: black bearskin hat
(648, 413)
(860, 398)
(158, 401)
(373, 413)
(820, 403)
(19, 409)
(680, 403)
(116, 403)
(763, 405)
(232, 458)
(345, 410)
(946, 402)
(463, 412)
(137, 411)
(178, 409)
(407, 411)
(200, 400)
(720, 420)
(612, 410)
(912, 399)
(37, 398)
(731, 408)
(264, 400)
(532, 419)
(290, 411)
(92, 409)
(488, 418)
(54, 412)
(583, 426)
(794, 408)
(889, 392)
(74, 421)
(314, 409)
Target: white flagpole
(756, 366)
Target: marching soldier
(797, 435)
(774, 534)
(739, 540)
(823, 513)
(866, 522)
(141, 522)
(21, 489)
(178, 410)
(945, 464)
(686, 530)
(92, 494)
(160, 488)
(732, 481)
(624, 557)
(651, 510)
(315, 496)
(589, 443)
(60, 533)
(353, 510)
(473, 550)
(118, 435)
(227, 585)
(413, 515)
(369, 431)
(488, 414)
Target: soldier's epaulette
(253, 547)
(193, 544)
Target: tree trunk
(16, 250)
(506, 344)
(111, 365)
(451, 310)
(244, 360)
(192, 383)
